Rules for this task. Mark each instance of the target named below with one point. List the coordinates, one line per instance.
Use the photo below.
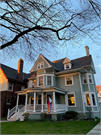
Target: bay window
(49, 80)
(87, 78)
(40, 81)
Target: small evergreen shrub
(68, 116)
(26, 116)
(43, 116)
(58, 117)
(72, 114)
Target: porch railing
(38, 107)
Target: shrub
(68, 116)
(72, 114)
(82, 116)
(26, 116)
(43, 116)
(58, 117)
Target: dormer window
(40, 65)
(67, 66)
(67, 63)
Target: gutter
(68, 71)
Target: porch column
(26, 102)
(42, 101)
(34, 100)
(66, 101)
(54, 101)
(17, 102)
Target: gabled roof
(76, 63)
(12, 73)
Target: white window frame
(87, 77)
(66, 64)
(38, 81)
(7, 102)
(11, 85)
(39, 64)
(74, 99)
(51, 80)
(90, 96)
(92, 100)
(66, 82)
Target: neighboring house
(69, 83)
(99, 92)
(11, 80)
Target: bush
(68, 116)
(82, 116)
(43, 116)
(26, 116)
(58, 117)
(71, 114)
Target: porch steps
(14, 117)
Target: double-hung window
(90, 99)
(87, 78)
(40, 81)
(49, 80)
(40, 65)
(71, 99)
(8, 101)
(69, 80)
(10, 88)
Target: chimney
(87, 50)
(20, 69)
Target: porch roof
(46, 89)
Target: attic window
(40, 65)
(67, 66)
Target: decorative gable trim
(37, 62)
(66, 60)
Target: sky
(71, 52)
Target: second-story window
(49, 80)
(40, 65)
(68, 80)
(90, 78)
(87, 78)
(84, 79)
(40, 82)
(10, 88)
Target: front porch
(37, 100)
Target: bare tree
(31, 27)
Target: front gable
(40, 60)
(3, 81)
(66, 60)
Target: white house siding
(73, 88)
(3, 81)
(30, 84)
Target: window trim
(7, 100)
(91, 102)
(66, 64)
(74, 99)
(40, 63)
(87, 77)
(51, 80)
(38, 81)
(72, 81)
(9, 85)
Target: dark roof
(76, 63)
(12, 73)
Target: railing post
(17, 102)
(8, 113)
(66, 101)
(34, 100)
(42, 101)
(18, 114)
(54, 101)
(26, 103)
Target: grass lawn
(66, 127)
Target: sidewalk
(96, 130)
